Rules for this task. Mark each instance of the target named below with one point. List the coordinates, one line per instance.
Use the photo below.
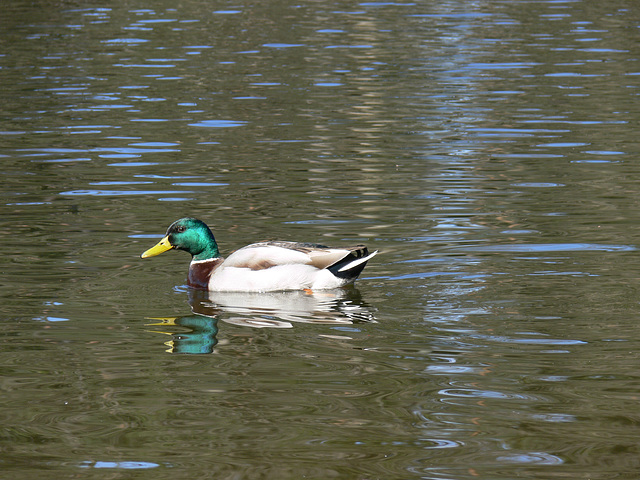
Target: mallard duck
(263, 266)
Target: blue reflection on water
(122, 465)
(549, 247)
(218, 123)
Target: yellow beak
(160, 247)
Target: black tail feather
(359, 251)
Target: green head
(188, 234)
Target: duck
(261, 267)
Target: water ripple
(115, 193)
(547, 247)
(218, 123)
(494, 394)
(129, 465)
(532, 458)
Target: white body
(265, 268)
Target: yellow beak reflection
(160, 247)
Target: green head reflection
(200, 337)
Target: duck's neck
(206, 248)
(205, 258)
(209, 252)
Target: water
(487, 149)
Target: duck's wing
(259, 256)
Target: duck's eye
(181, 229)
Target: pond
(488, 150)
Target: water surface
(487, 149)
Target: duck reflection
(279, 309)
(200, 336)
(260, 310)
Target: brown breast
(199, 272)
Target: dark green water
(487, 149)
